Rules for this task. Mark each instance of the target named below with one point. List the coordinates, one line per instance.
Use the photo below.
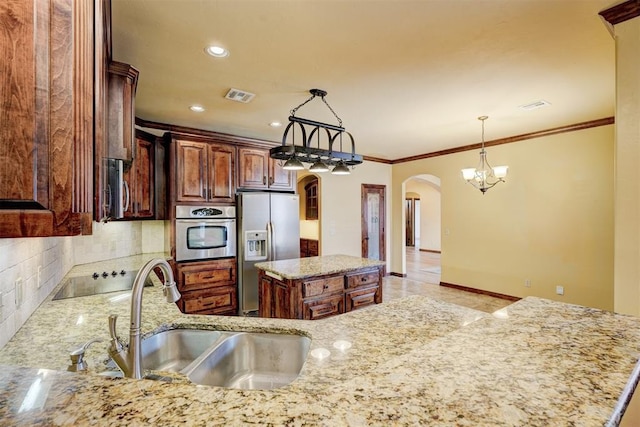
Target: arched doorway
(422, 213)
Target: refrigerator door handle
(271, 253)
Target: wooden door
(373, 221)
(191, 174)
(143, 186)
(221, 169)
(253, 168)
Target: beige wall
(551, 223)
(627, 175)
(340, 211)
(430, 209)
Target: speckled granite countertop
(300, 268)
(414, 361)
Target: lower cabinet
(319, 296)
(208, 287)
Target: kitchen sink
(252, 361)
(173, 350)
(243, 360)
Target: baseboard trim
(433, 251)
(479, 291)
(397, 274)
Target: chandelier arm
(286, 132)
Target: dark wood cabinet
(319, 296)
(256, 170)
(122, 84)
(140, 179)
(46, 117)
(308, 248)
(208, 287)
(311, 200)
(203, 171)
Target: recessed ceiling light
(275, 124)
(534, 105)
(217, 51)
(197, 108)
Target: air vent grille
(239, 95)
(534, 105)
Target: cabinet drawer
(361, 298)
(362, 279)
(324, 286)
(219, 302)
(323, 307)
(206, 275)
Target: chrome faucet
(129, 360)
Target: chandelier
(483, 177)
(319, 144)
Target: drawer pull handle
(207, 304)
(207, 277)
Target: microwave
(205, 232)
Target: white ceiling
(406, 77)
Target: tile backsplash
(30, 268)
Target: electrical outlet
(39, 278)
(560, 290)
(18, 292)
(527, 283)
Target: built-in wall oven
(205, 232)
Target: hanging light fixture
(483, 177)
(322, 149)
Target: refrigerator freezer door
(253, 215)
(285, 220)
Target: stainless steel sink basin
(251, 361)
(244, 360)
(173, 350)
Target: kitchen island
(413, 361)
(318, 287)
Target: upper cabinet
(256, 170)
(140, 179)
(122, 83)
(202, 170)
(311, 199)
(47, 117)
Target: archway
(422, 228)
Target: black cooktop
(98, 283)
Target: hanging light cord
(318, 92)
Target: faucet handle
(77, 356)
(115, 343)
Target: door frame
(381, 190)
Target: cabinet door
(253, 168)
(191, 174)
(282, 307)
(46, 118)
(265, 296)
(221, 169)
(280, 179)
(140, 180)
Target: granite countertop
(413, 361)
(300, 268)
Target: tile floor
(423, 279)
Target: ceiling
(406, 77)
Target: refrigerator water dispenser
(255, 245)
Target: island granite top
(413, 361)
(299, 268)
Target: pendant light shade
(483, 177)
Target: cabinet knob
(264, 180)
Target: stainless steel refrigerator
(268, 230)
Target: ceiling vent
(534, 105)
(239, 95)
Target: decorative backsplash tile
(30, 268)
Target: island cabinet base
(319, 296)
